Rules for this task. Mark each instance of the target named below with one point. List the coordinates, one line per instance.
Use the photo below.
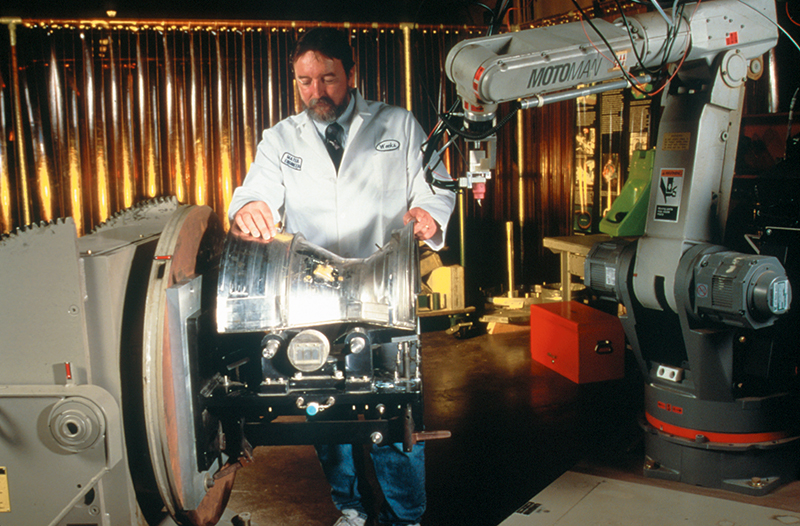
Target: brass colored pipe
(271, 110)
(74, 161)
(19, 134)
(5, 169)
(95, 98)
(129, 170)
(248, 105)
(407, 63)
(521, 167)
(41, 162)
(462, 228)
(521, 184)
(147, 124)
(223, 118)
(510, 257)
(171, 101)
(119, 122)
(197, 140)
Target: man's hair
(326, 41)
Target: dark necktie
(333, 142)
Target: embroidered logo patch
(295, 163)
(387, 145)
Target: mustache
(322, 109)
(313, 103)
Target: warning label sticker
(676, 141)
(5, 501)
(668, 198)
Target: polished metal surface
(288, 282)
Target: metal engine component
(288, 283)
(305, 332)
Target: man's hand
(255, 218)
(424, 225)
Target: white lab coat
(353, 213)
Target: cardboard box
(578, 342)
(449, 283)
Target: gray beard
(323, 110)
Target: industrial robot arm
(556, 63)
(716, 43)
(701, 320)
(550, 64)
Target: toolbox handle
(604, 347)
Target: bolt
(357, 344)
(271, 349)
(208, 481)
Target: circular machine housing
(188, 250)
(102, 394)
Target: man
(349, 202)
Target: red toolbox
(578, 342)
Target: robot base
(751, 469)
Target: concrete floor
(516, 427)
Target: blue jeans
(401, 477)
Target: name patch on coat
(387, 145)
(295, 163)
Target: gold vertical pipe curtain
(99, 115)
(17, 125)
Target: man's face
(323, 85)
